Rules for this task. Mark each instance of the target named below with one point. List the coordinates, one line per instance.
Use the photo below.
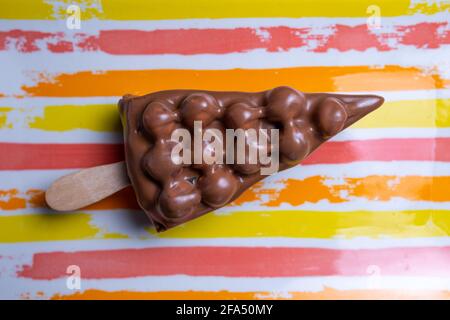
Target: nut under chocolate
(170, 193)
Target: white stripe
(26, 135)
(94, 26)
(351, 204)
(27, 249)
(255, 59)
(390, 133)
(278, 286)
(41, 179)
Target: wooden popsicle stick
(85, 187)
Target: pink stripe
(241, 262)
(221, 41)
(16, 156)
(28, 156)
(437, 149)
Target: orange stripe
(14, 200)
(295, 192)
(349, 78)
(327, 293)
(383, 188)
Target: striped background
(366, 216)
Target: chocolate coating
(243, 115)
(170, 193)
(331, 116)
(200, 107)
(178, 199)
(159, 120)
(218, 186)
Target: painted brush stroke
(14, 199)
(240, 262)
(15, 156)
(309, 79)
(180, 9)
(325, 294)
(103, 225)
(50, 227)
(291, 191)
(339, 37)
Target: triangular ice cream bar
(172, 192)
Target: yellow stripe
(42, 9)
(182, 9)
(442, 113)
(310, 224)
(92, 117)
(292, 224)
(409, 114)
(50, 227)
(397, 114)
(63, 118)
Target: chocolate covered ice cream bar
(172, 193)
(189, 152)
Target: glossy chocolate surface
(170, 193)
